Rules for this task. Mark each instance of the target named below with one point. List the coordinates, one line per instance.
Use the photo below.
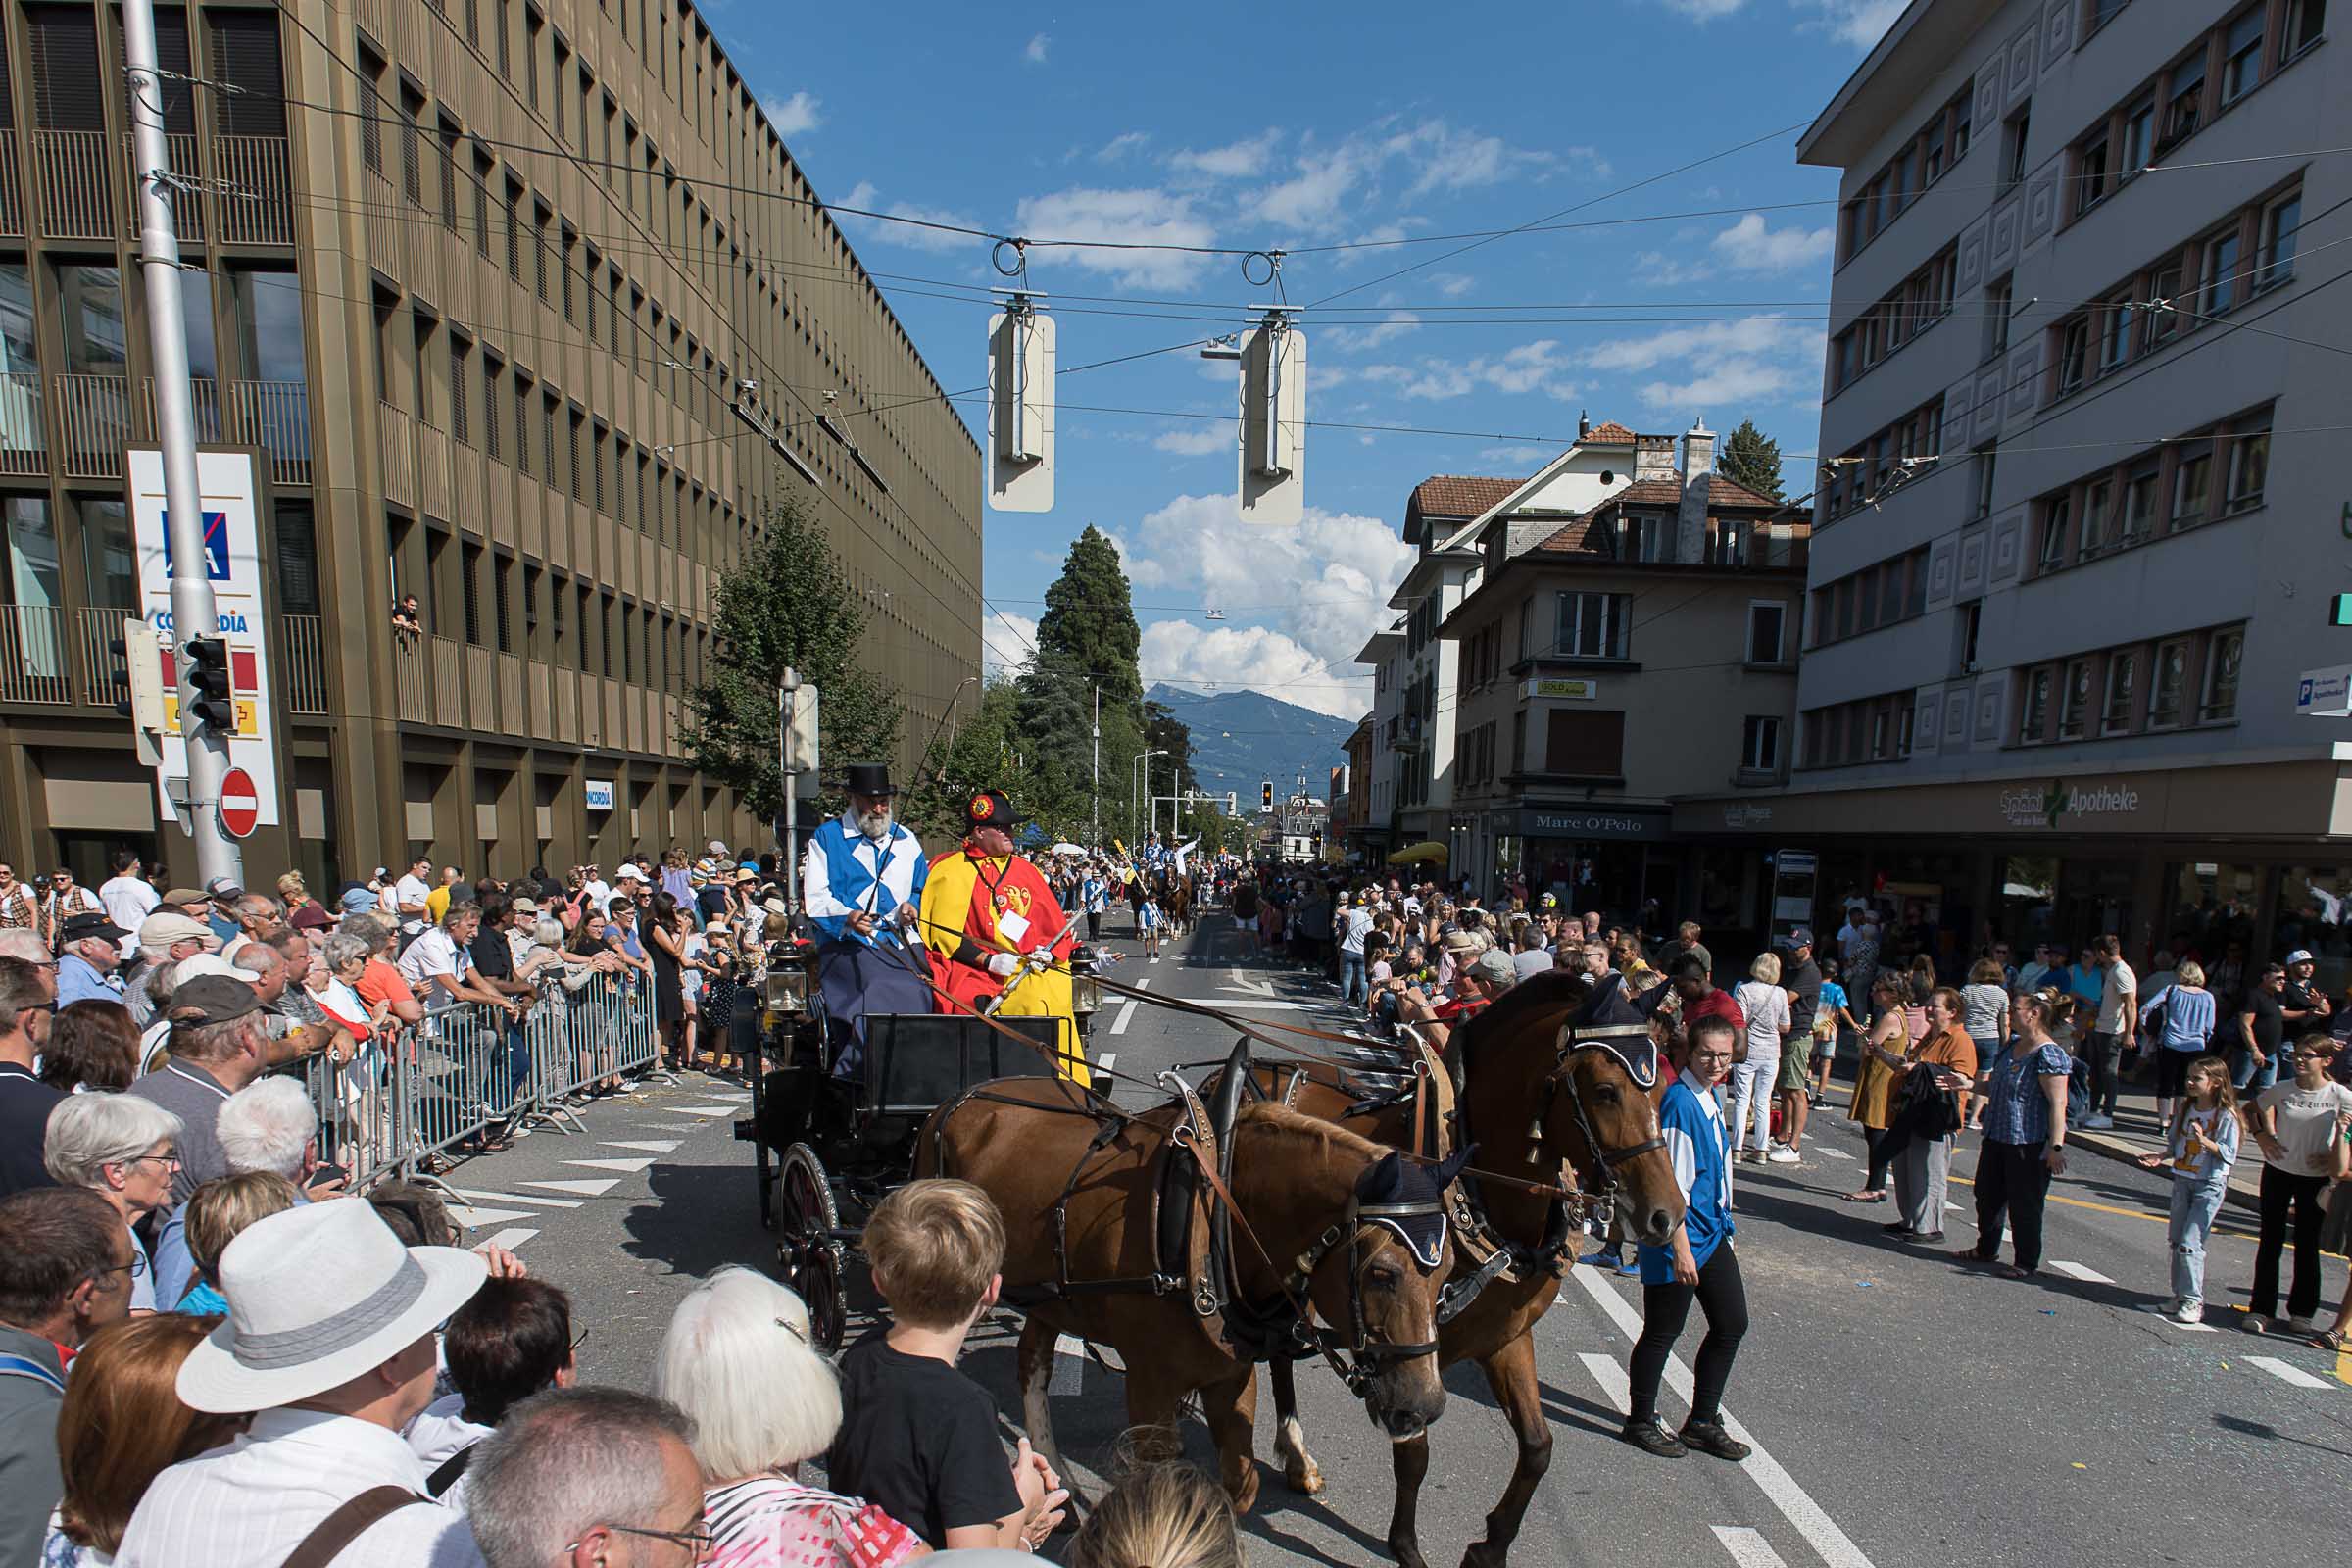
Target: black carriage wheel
(807, 1252)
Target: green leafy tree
(983, 752)
(1089, 623)
(788, 603)
(1752, 459)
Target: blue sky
(1233, 125)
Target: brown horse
(1517, 1059)
(1296, 1185)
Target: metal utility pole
(792, 790)
(193, 612)
(1095, 777)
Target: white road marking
(2080, 1271)
(1749, 1547)
(671, 1126)
(1242, 983)
(512, 1238)
(1834, 1546)
(651, 1146)
(627, 1168)
(2286, 1372)
(1610, 1376)
(1826, 1153)
(740, 1096)
(516, 1197)
(1118, 1025)
(1107, 1060)
(1069, 1365)
(2185, 1328)
(473, 1218)
(582, 1189)
(699, 1110)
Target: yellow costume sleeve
(947, 902)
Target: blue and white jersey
(1095, 894)
(1700, 1145)
(847, 873)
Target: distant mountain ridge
(1244, 738)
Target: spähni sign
(2044, 807)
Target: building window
(2033, 714)
(2097, 502)
(2306, 21)
(2014, 132)
(2192, 486)
(1998, 294)
(461, 375)
(1760, 744)
(2094, 172)
(2241, 57)
(2184, 102)
(2122, 678)
(2218, 286)
(2073, 706)
(2226, 652)
(2281, 222)
(2073, 355)
(1983, 469)
(1971, 625)
(2101, 11)
(2249, 462)
(1584, 743)
(2057, 517)
(2141, 488)
(1594, 626)
(1767, 624)
(2170, 683)
(2115, 317)
(2140, 135)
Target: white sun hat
(319, 1294)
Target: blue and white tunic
(847, 873)
(1700, 1145)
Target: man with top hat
(996, 932)
(862, 885)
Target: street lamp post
(1139, 778)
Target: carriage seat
(917, 1062)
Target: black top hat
(991, 809)
(868, 778)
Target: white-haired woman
(737, 1360)
(1765, 1005)
(125, 1148)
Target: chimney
(1653, 458)
(1698, 467)
(1584, 424)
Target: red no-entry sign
(240, 804)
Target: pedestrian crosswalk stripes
(580, 1187)
(516, 1197)
(513, 1238)
(2287, 1372)
(650, 1146)
(1749, 1547)
(2080, 1271)
(626, 1168)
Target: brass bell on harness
(1535, 1141)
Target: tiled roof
(1453, 495)
(1721, 492)
(1609, 433)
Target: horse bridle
(1574, 1042)
(1353, 1359)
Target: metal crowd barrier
(463, 1069)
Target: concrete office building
(2074, 553)
(508, 299)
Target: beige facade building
(521, 307)
(1627, 637)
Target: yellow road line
(2128, 1213)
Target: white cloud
(1717, 366)
(1198, 440)
(1005, 647)
(1121, 145)
(1538, 366)
(1394, 325)
(1659, 269)
(1729, 384)
(1246, 159)
(1135, 216)
(1326, 186)
(909, 234)
(1860, 23)
(1704, 10)
(1332, 572)
(795, 115)
(1453, 285)
(1518, 455)
(1751, 246)
(1757, 336)
(1256, 657)
(1035, 53)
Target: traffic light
(207, 673)
(1267, 795)
(142, 655)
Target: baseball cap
(2301, 956)
(525, 906)
(1493, 966)
(628, 872)
(1801, 937)
(223, 887)
(84, 927)
(357, 900)
(718, 845)
(212, 999)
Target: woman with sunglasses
(126, 1150)
(2298, 1125)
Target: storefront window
(2208, 915)
(2028, 894)
(2311, 913)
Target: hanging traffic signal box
(214, 704)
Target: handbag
(1931, 1111)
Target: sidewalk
(2136, 1134)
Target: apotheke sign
(2050, 806)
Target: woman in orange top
(1889, 1042)
(1923, 1167)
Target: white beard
(874, 825)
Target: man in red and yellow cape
(984, 910)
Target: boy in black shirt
(918, 1439)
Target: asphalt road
(1906, 1409)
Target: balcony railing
(33, 654)
(395, 441)
(254, 198)
(274, 416)
(93, 424)
(76, 184)
(303, 674)
(23, 428)
(12, 191)
(410, 682)
(104, 679)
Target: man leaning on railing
(440, 966)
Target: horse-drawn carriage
(829, 1144)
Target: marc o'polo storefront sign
(1537, 822)
(2060, 805)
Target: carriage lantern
(1085, 989)
(787, 992)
